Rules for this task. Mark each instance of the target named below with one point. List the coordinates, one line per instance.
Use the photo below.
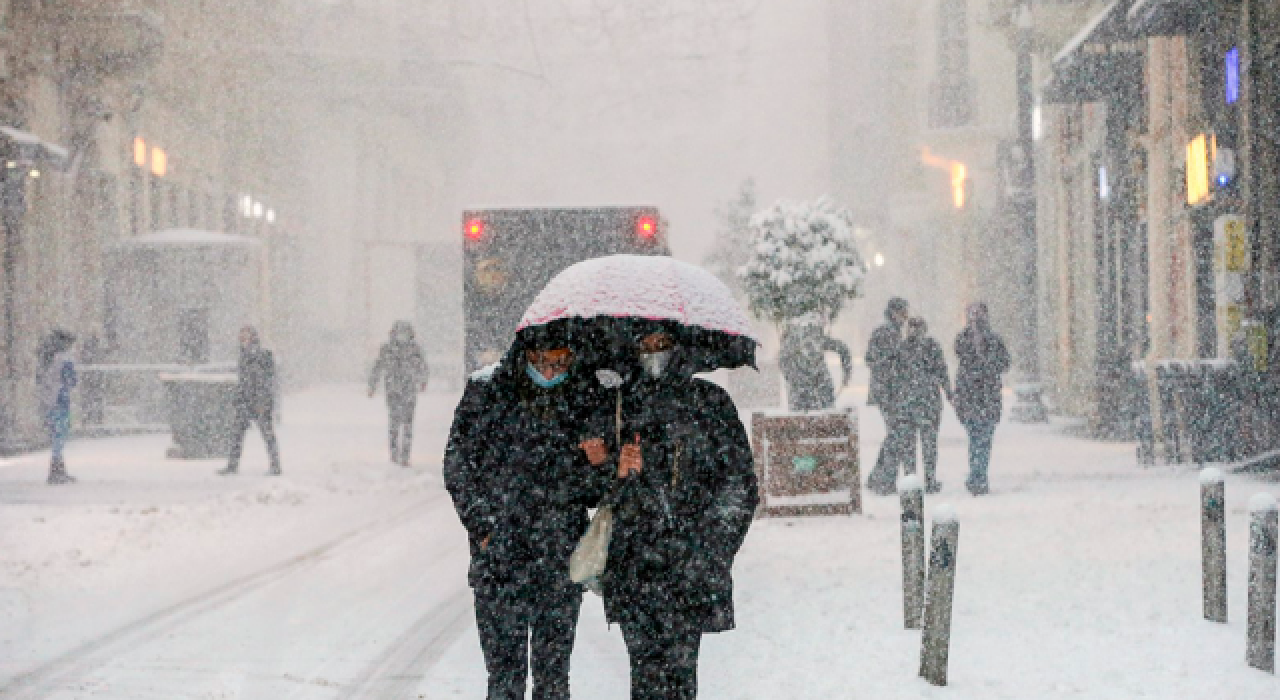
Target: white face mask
(655, 363)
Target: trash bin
(201, 414)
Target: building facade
(310, 130)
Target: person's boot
(229, 470)
(274, 470)
(58, 473)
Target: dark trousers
(263, 417)
(897, 450)
(925, 428)
(506, 622)
(401, 412)
(664, 657)
(980, 438)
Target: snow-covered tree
(803, 261)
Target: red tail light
(474, 229)
(646, 227)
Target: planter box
(201, 414)
(807, 463)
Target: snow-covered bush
(803, 261)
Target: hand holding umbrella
(631, 461)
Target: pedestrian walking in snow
(404, 370)
(688, 496)
(804, 364)
(254, 400)
(888, 384)
(55, 378)
(927, 382)
(982, 358)
(522, 482)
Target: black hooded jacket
(982, 357)
(518, 477)
(679, 524)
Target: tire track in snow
(88, 656)
(399, 671)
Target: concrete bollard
(911, 493)
(1213, 544)
(1261, 645)
(936, 642)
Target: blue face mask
(542, 381)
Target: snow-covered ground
(152, 578)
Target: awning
(1166, 17)
(25, 146)
(1098, 58)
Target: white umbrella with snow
(652, 288)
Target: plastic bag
(592, 553)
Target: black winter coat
(404, 368)
(256, 380)
(804, 366)
(982, 358)
(517, 476)
(888, 374)
(678, 526)
(927, 379)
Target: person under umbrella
(55, 379)
(401, 362)
(521, 482)
(686, 489)
(688, 497)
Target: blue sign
(1233, 75)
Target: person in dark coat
(804, 364)
(982, 358)
(927, 382)
(401, 363)
(254, 400)
(687, 497)
(55, 380)
(522, 481)
(888, 381)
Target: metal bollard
(1213, 544)
(911, 490)
(1261, 645)
(936, 642)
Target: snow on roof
(1079, 39)
(651, 287)
(29, 139)
(1262, 503)
(911, 482)
(189, 237)
(1211, 475)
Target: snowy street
(1079, 577)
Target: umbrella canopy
(657, 289)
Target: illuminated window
(159, 162)
(140, 152)
(1198, 170)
